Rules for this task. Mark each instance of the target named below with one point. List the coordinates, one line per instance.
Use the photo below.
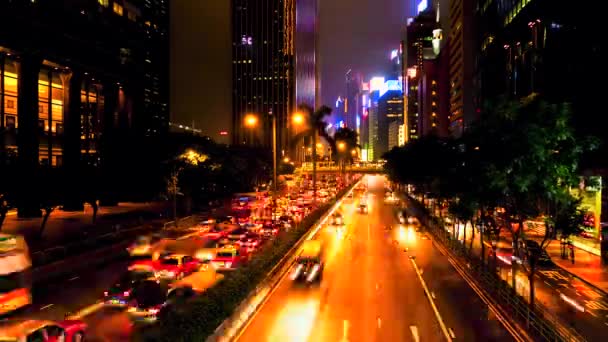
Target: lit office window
(118, 9)
(9, 76)
(104, 3)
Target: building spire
(437, 12)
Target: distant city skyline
(349, 43)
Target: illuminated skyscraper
(462, 60)
(273, 64)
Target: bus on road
(15, 273)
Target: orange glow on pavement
(295, 322)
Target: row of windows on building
(51, 99)
(126, 9)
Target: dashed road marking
(345, 327)
(46, 307)
(74, 278)
(414, 330)
(452, 333)
(433, 295)
(379, 322)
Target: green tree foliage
(514, 164)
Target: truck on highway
(310, 262)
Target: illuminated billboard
(422, 5)
(376, 83)
(394, 54)
(390, 85)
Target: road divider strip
(233, 327)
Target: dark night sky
(355, 34)
(201, 64)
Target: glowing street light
(251, 120)
(286, 160)
(353, 152)
(298, 118)
(319, 145)
(341, 146)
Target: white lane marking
(377, 286)
(86, 311)
(548, 284)
(414, 330)
(74, 278)
(46, 307)
(345, 327)
(433, 306)
(605, 323)
(452, 333)
(433, 295)
(379, 321)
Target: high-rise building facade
(462, 65)
(273, 65)
(156, 71)
(390, 109)
(67, 99)
(418, 44)
(353, 82)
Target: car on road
(236, 235)
(171, 266)
(144, 246)
(228, 258)
(363, 208)
(120, 291)
(198, 281)
(215, 232)
(250, 242)
(309, 264)
(269, 230)
(147, 299)
(336, 219)
(42, 331)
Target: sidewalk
(587, 266)
(64, 226)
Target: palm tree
(314, 124)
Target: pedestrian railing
(538, 320)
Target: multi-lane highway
(373, 288)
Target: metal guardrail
(46, 256)
(233, 325)
(183, 222)
(53, 254)
(539, 319)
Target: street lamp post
(274, 152)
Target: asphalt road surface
(371, 291)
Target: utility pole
(274, 162)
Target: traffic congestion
(112, 302)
